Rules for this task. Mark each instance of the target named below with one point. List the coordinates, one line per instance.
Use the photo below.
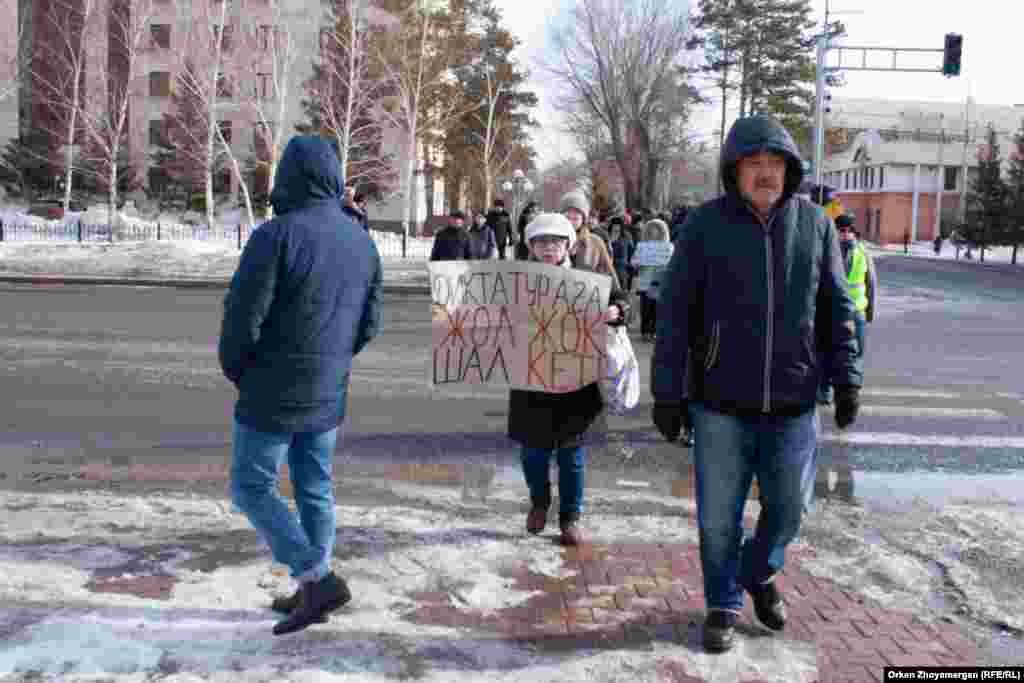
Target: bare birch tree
(493, 158)
(107, 107)
(203, 78)
(344, 95)
(68, 38)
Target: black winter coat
(501, 224)
(305, 299)
(451, 244)
(541, 420)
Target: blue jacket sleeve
(247, 302)
(843, 365)
(679, 310)
(369, 324)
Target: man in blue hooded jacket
(754, 294)
(305, 299)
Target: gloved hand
(670, 417)
(847, 401)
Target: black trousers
(648, 314)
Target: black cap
(844, 220)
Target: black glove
(847, 400)
(670, 417)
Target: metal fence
(392, 246)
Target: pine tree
(30, 164)
(1015, 188)
(986, 202)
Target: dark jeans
(537, 469)
(648, 314)
(729, 451)
(501, 251)
(860, 325)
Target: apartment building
(253, 102)
(900, 166)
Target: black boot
(768, 604)
(286, 604)
(316, 599)
(719, 631)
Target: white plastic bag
(621, 386)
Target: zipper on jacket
(769, 333)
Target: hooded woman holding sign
(552, 425)
(651, 256)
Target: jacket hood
(760, 133)
(308, 172)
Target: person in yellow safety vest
(862, 285)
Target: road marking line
(898, 439)
(897, 392)
(932, 411)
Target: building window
(265, 36)
(264, 86)
(225, 44)
(878, 224)
(225, 130)
(159, 84)
(881, 177)
(160, 36)
(951, 175)
(156, 133)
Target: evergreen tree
(986, 202)
(1015, 188)
(29, 164)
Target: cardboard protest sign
(517, 324)
(651, 253)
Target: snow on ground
(949, 252)
(215, 627)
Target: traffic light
(951, 54)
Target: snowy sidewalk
(172, 585)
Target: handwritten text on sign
(517, 324)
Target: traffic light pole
(821, 71)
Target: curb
(181, 283)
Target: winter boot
(316, 599)
(286, 604)
(719, 632)
(571, 533)
(768, 605)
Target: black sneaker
(719, 632)
(768, 605)
(286, 604)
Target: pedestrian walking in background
(589, 250)
(482, 244)
(622, 248)
(651, 271)
(451, 243)
(756, 292)
(862, 283)
(553, 425)
(354, 206)
(527, 214)
(501, 225)
(305, 300)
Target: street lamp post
(520, 187)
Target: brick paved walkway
(624, 595)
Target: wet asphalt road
(129, 374)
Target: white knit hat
(551, 224)
(575, 200)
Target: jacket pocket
(714, 345)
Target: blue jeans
(859, 325)
(304, 544)
(729, 452)
(537, 469)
